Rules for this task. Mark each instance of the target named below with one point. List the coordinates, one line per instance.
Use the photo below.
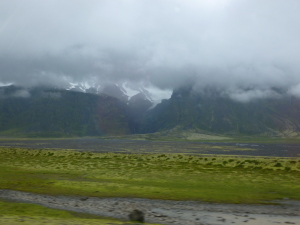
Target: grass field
(228, 179)
(12, 213)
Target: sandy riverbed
(168, 212)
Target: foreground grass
(229, 179)
(21, 213)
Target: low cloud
(21, 94)
(250, 95)
(240, 47)
(49, 94)
(295, 90)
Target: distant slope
(186, 110)
(44, 112)
(135, 96)
(55, 113)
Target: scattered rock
(137, 215)
(161, 211)
(84, 198)
(160, 215)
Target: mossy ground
(230, 179)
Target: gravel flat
(168, 212)
(138, 146)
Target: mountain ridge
(218, 114)
(50, 112)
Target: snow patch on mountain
(128, 91)
(151, 93)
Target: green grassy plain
(228, 179)
(179, 134)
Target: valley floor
(166, 211)
(285, 149)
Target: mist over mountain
(239, 58)
(44, 112)
(212, 111)
(243, 48)
(48, 112)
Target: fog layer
(247, 49)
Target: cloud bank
(247, 48)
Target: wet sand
(168, 212)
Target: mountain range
(110, 111)
(187, 109)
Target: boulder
(137, 215)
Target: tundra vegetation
(211, 178)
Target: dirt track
(168, 212)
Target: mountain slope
(49, 112)
(214, 113)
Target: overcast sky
(246, 48)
